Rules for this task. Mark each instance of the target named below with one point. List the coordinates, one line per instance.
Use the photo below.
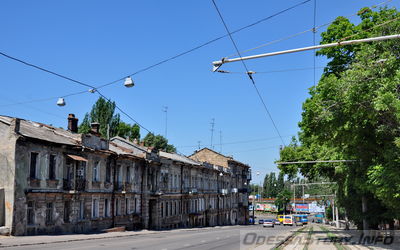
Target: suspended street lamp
(129, 82)
(61, 102)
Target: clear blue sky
(100, 41)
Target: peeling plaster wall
(7, 169)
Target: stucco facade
(58, 181)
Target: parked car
(260, 221)
(268, 223)
(277, 222)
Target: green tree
(354, 113)
(266, 189)
(102, 112)
(282, 200)
(158, 142)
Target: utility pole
(165, 110)
(212, 131)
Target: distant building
(60, 181)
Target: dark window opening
(49, 213)
(32, 168)
(67, 211)
(52, 167)
(31, 213)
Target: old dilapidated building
(57, 181)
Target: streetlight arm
(217, 64)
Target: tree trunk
(364, 211)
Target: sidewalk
(13, 241)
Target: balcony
(243, 190)
(77, 185)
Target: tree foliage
(159, 142)
(354, 113)
(103, 112)
(282, 200)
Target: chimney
(135, 141)
(95, 128)
(72, 123)
(16, 124)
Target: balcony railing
(77, 185)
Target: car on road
(277, 222)
(268, 223)
(288, 220)
(280, 218)
(260, 221)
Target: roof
(228, 158)
(177, 157)
(44, 132)
(123, 146)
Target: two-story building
(59, 181)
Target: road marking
(203, 241)
(218, 238)
(186, 245)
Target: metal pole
(218, 64)
(294, 198)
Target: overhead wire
(74, 81)
(314, 28)
(247, 70)
(148, 67)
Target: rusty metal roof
(44, 132)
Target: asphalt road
(210, 238)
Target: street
(202, 238)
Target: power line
(45, 70)
(247, 70)
(72, 80)
(314, 28)
(153, 65)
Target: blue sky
(101, 41)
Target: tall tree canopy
(354, 113)
(103, 112)
(159, 142)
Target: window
(166, 209)
(52, 167)
(31, 213)
(162, 209)
(106, 208)
(67, 211)
(81, 210)
(96, 171)
(32, 167)
(49, 213)
(108, 172)
(117, 207)
(127, 206)
(128, 175)
(135, 209)
(95, 208)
